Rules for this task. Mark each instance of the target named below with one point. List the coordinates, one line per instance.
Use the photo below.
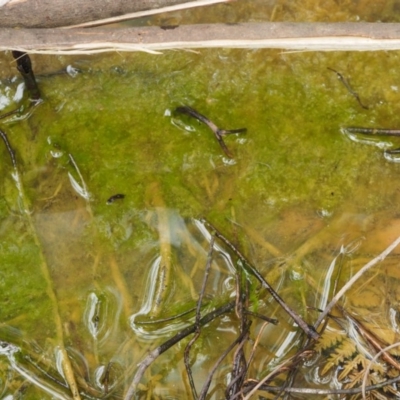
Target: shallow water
(299, 197)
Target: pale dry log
(56, 13)
(281, 35)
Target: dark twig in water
(392, 151)
(240, 365)
(263, 317)
(349, 88)
(309, 330)
(285, 366)
(197, 321)
(9, 148)
(323, 392)
(294, 371)
(375, 132)
(207, 384)
(8, 114)
(219, 133)
(372, 131)
(143, 365)
(160, 321)
(19, 110)
(24, 66)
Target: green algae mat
(104, 243)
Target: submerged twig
(12, 112)
(309, 330)
(24, 66)
(263, 317)
(312, 391)
(197, 321)
(372, 131)
(207, 384)
(9, 148)
(240, 365)
(239, 394)
(376, 132)
(219, 133)
(160, 321)
(280, 368)
(143, 365)
(348, 87)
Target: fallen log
(278, 35)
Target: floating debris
(117, 196)
(219, 133)
(348, 87)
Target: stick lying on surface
(274, 35)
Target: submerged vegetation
(139, 259)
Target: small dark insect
(219, 133)
(115, 197)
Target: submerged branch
(322, 392)
(207, 384)
(143, 365)
(197, 321)
(9, 148)
(372, 131)
(309, 330)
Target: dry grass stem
(367, 369)
(358, 275)
(145, 13)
